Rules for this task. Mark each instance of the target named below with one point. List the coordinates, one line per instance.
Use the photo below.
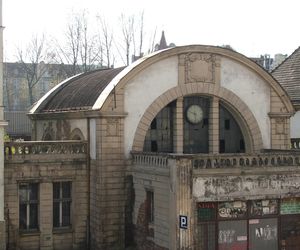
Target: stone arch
(76, 134)
(241, 112)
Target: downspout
(88, 162)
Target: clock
(194, 114)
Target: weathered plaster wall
(159, 236)
(143, 89)
(245, 187)
(252, 89)
(295, 125)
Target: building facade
(187, 148)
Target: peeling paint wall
(245, 187)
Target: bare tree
(33, 62)
(81, 49)
(127, 25)
(107, 41)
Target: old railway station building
(187, 148)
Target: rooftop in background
(288, 75)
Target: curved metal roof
(77, 93)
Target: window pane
(33, 192)
(55, 214)
(33, 222)
(206, 236)
(66, 189)
(196, 134)
(66, 213)
(230, 132)
(22, 216)
(23, 193)
(56, 187)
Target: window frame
(28, 202)
(62, 200)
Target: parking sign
(183, 222)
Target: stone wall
(108, 185)
(153, 174)
(24, 164)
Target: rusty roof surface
(79, 93)
(288, 75)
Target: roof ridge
(294, 52)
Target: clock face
(194, 114)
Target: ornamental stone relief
(199, 67)
(280, 126)
(112, 127)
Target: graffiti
(226, 236)
(266, 233)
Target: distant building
(269, 63)
(16, 93)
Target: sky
(251, 27)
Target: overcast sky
(252, 27)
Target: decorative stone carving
(63, 129)
(112, 127)
(200, 67)
(280, 126)
(36, 148)
(48, 131)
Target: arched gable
(119, 82)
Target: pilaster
(178, 136)
(46, 204)
(213, 132)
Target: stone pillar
(178, 135)
(46, 211)
(184, 204)
(214, 114)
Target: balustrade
(44, 147)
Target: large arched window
(199, 126)
(159, 137)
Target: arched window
(202, 123)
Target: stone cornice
(278, 115)
(76, 115)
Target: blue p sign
(183, 222)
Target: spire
(163, 42)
